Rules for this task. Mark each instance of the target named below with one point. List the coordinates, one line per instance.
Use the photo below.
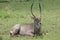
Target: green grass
(19, 12)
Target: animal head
(37, 19)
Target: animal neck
(35, 27)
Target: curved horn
(31, 10)
(40, 9)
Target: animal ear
(32, 17)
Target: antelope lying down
(28, 29)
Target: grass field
(19, 12)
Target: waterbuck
(28, 29)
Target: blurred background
(18, 11)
